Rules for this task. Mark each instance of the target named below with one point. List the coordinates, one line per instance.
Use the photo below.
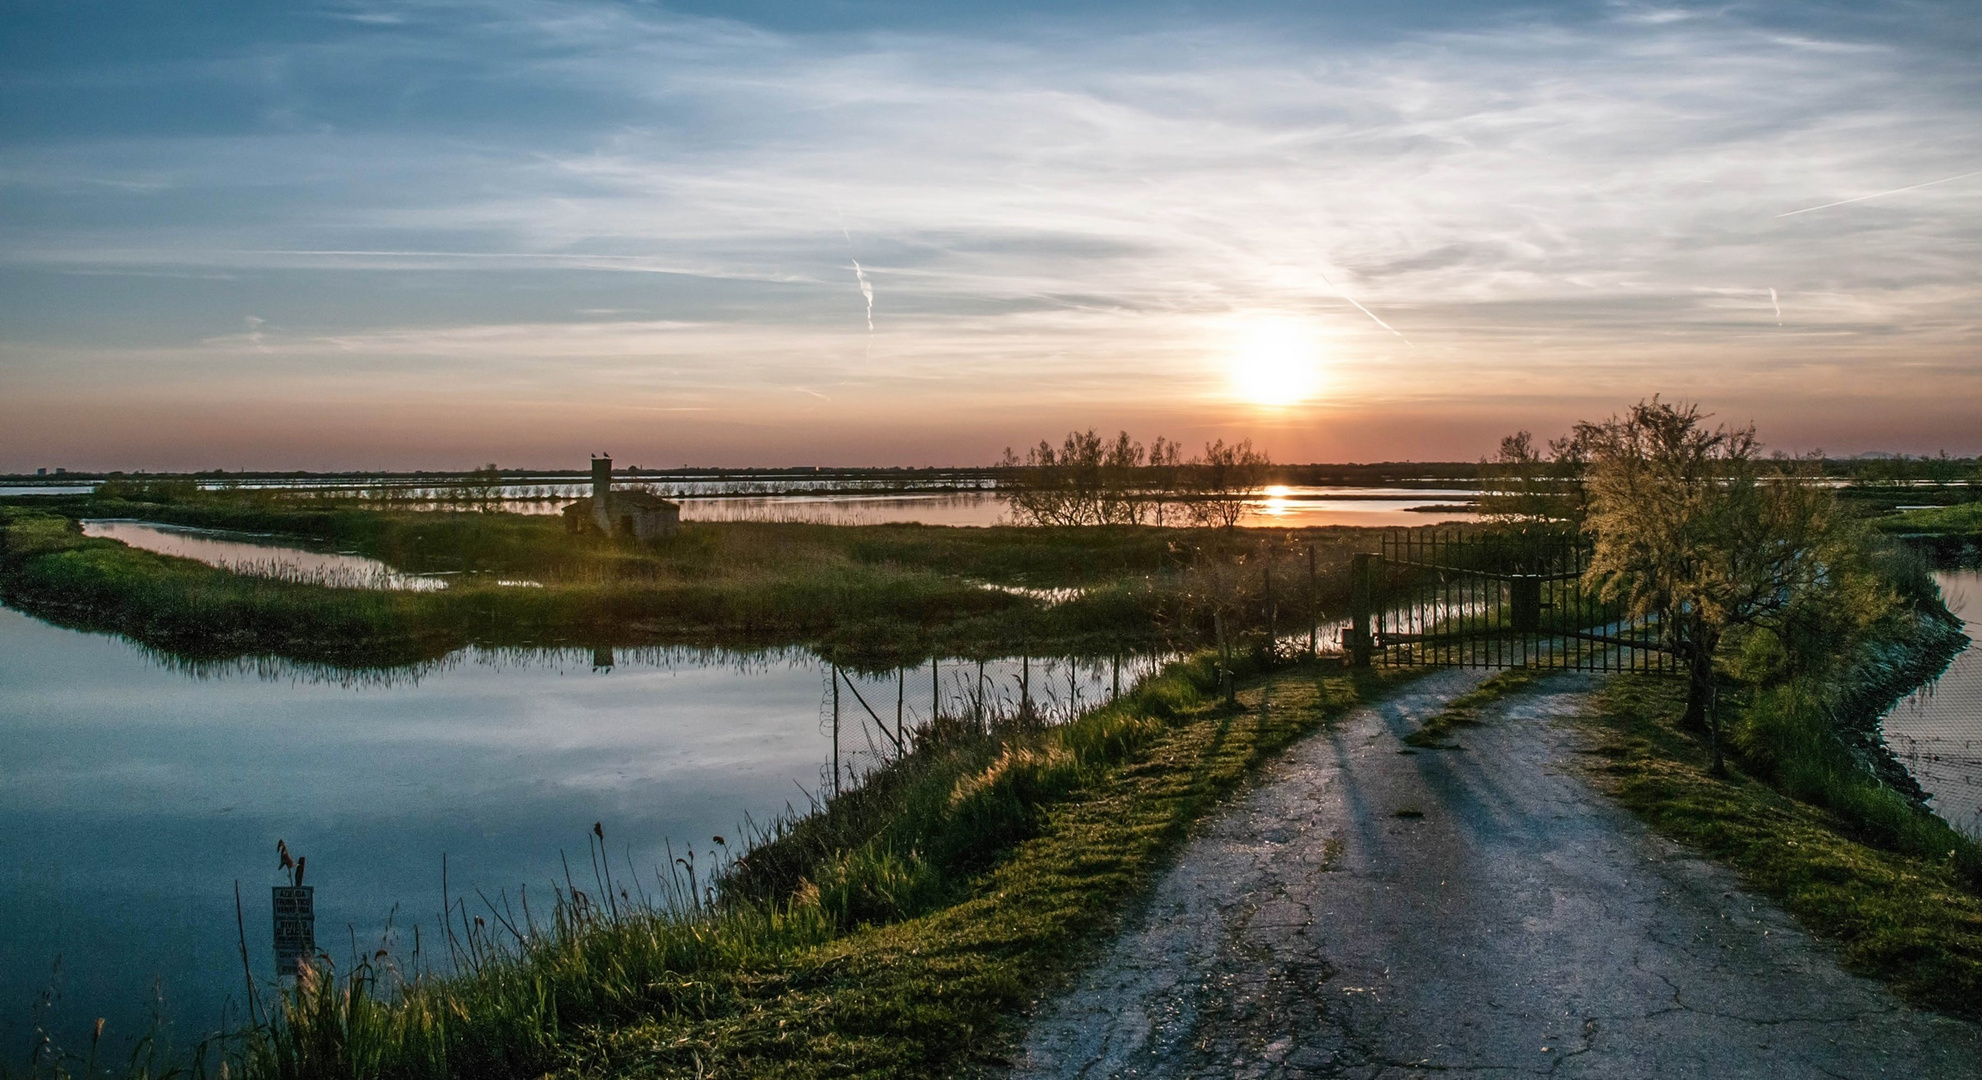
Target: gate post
(1361, 567)
(1524, 594)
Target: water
(868, 501)
(135, 791)
(45, 489)
(262, 556)
(1278, 507)
(1937, 733)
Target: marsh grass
(891, 933)
(874, 595)
(1963, 520)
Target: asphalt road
(1521, 925)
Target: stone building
(641, 515)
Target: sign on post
(295, 927)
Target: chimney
(601, 481)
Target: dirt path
(1522, 925)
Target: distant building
(641, 515)
(41, 472)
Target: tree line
(1090, 480)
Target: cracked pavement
(1522, 925)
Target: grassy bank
(1952, 532)
(879, 594)
(1804, 817)
(893, 933)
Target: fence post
(1314, 610)
(1224, 655)
(1272, 627)
(1359, 608)
(1525, 599)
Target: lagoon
(870, 502)
(135, 790)
(258, 555)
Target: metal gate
(1492, 599)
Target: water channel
(867, 502)
(1937, 732)
(136, 790)
(261, 556)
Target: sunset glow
(876, 235)
(1276, 365)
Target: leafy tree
(1692, 528)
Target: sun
(1276, 363)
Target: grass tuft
(1464, 710)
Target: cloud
(866, 292)
(1527, 197)
(1882, 194)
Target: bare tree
(1161, 476)
(483, 489)
(1227, 481)
(1088, 481)
(1523, 486)
(1085, 481)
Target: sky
(437, 234)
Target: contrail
(867, 291)
(1364, 310)
(1774, 303)
(1882, 194)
